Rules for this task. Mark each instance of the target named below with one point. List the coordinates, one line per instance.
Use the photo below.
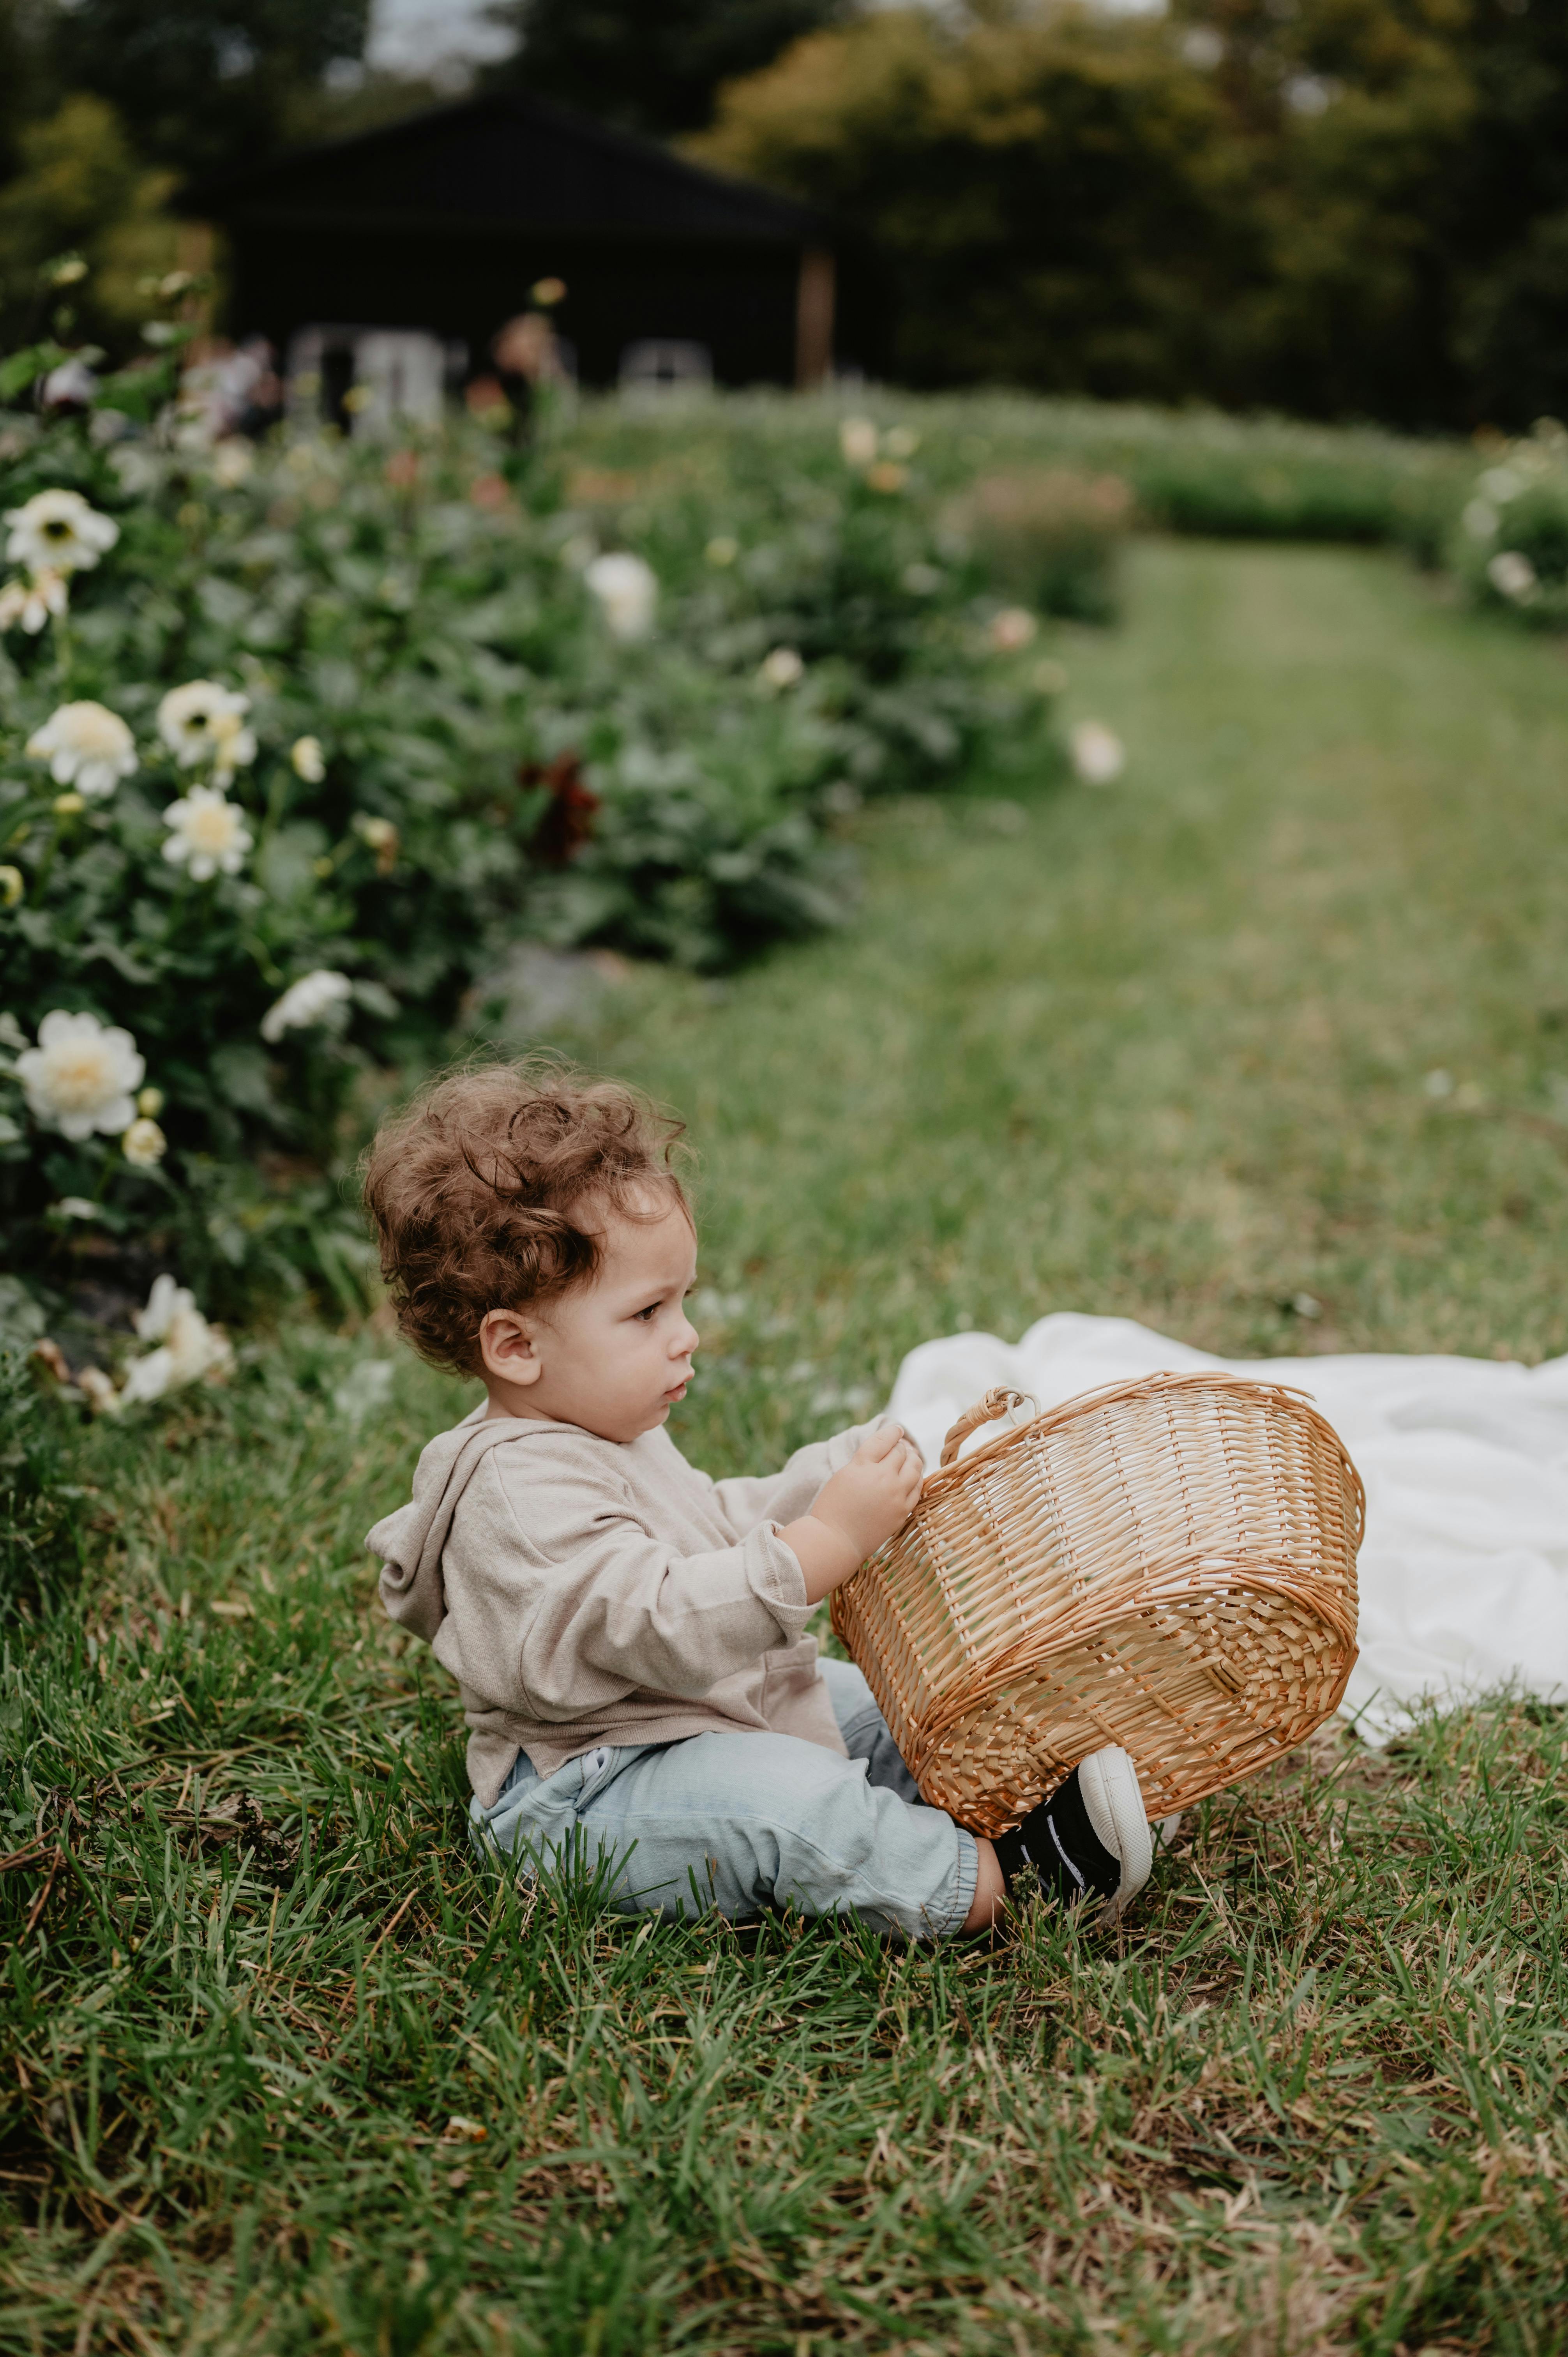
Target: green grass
(1158, 1050)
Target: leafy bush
(1050, 538)
(1191, 471)
(293, 744)
(1511, 550)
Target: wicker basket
(1169, 1565)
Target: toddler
(629, 1636)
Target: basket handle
(998, 1402)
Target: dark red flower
(567, 823)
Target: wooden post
(814, 320)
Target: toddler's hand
(874, 1495)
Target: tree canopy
(1337, 207)
(651, 69)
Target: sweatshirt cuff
(777, 1579)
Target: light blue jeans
(739, 1823)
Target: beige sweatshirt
(584, 1591)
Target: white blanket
(1464, 1574)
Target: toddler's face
(613, 1356)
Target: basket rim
(1050, 1420)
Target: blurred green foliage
(81, 189)
(203, 85)
(650, 69)
(1338, 208)
(1344, 209)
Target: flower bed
(294, 743)
(1511, 550)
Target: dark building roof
(505, 163)
(442, 223)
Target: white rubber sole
(1109, 1783)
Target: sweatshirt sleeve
(565, 1601)
(784, 1497)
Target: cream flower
(1098, 757)
(32, 602)
(81, 1076)
(780, 669)
(86, 746)
(233, 461)
(857, 441)
(380, 835)
(208, 834)
(1012, 629)
(628, 592)
(204, 722)
(1512, 575)
(305, 1002)
(308, 760)
(144, 1144)
(189, 1347)
(58, 532)
(13, 884)
(99, 1392)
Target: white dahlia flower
(309, 762)
(628, 592)
(1512, 575)
(189, 1347)
(780, 669)
(86, 746)
(233, 461)
(206, 833)
(58, 532)
(144, 1144)
(305, 1002)
(81, 1076)
(204, 722)
(32, 602)
(1098, 755)
(1012, 629)
(857, 440)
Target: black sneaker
(1091, 1840)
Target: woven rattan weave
(1169, 1565)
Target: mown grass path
(1159, 1050)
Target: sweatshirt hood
(411, 1540)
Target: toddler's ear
(505, 1347)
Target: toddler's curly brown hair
(489, 1190)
